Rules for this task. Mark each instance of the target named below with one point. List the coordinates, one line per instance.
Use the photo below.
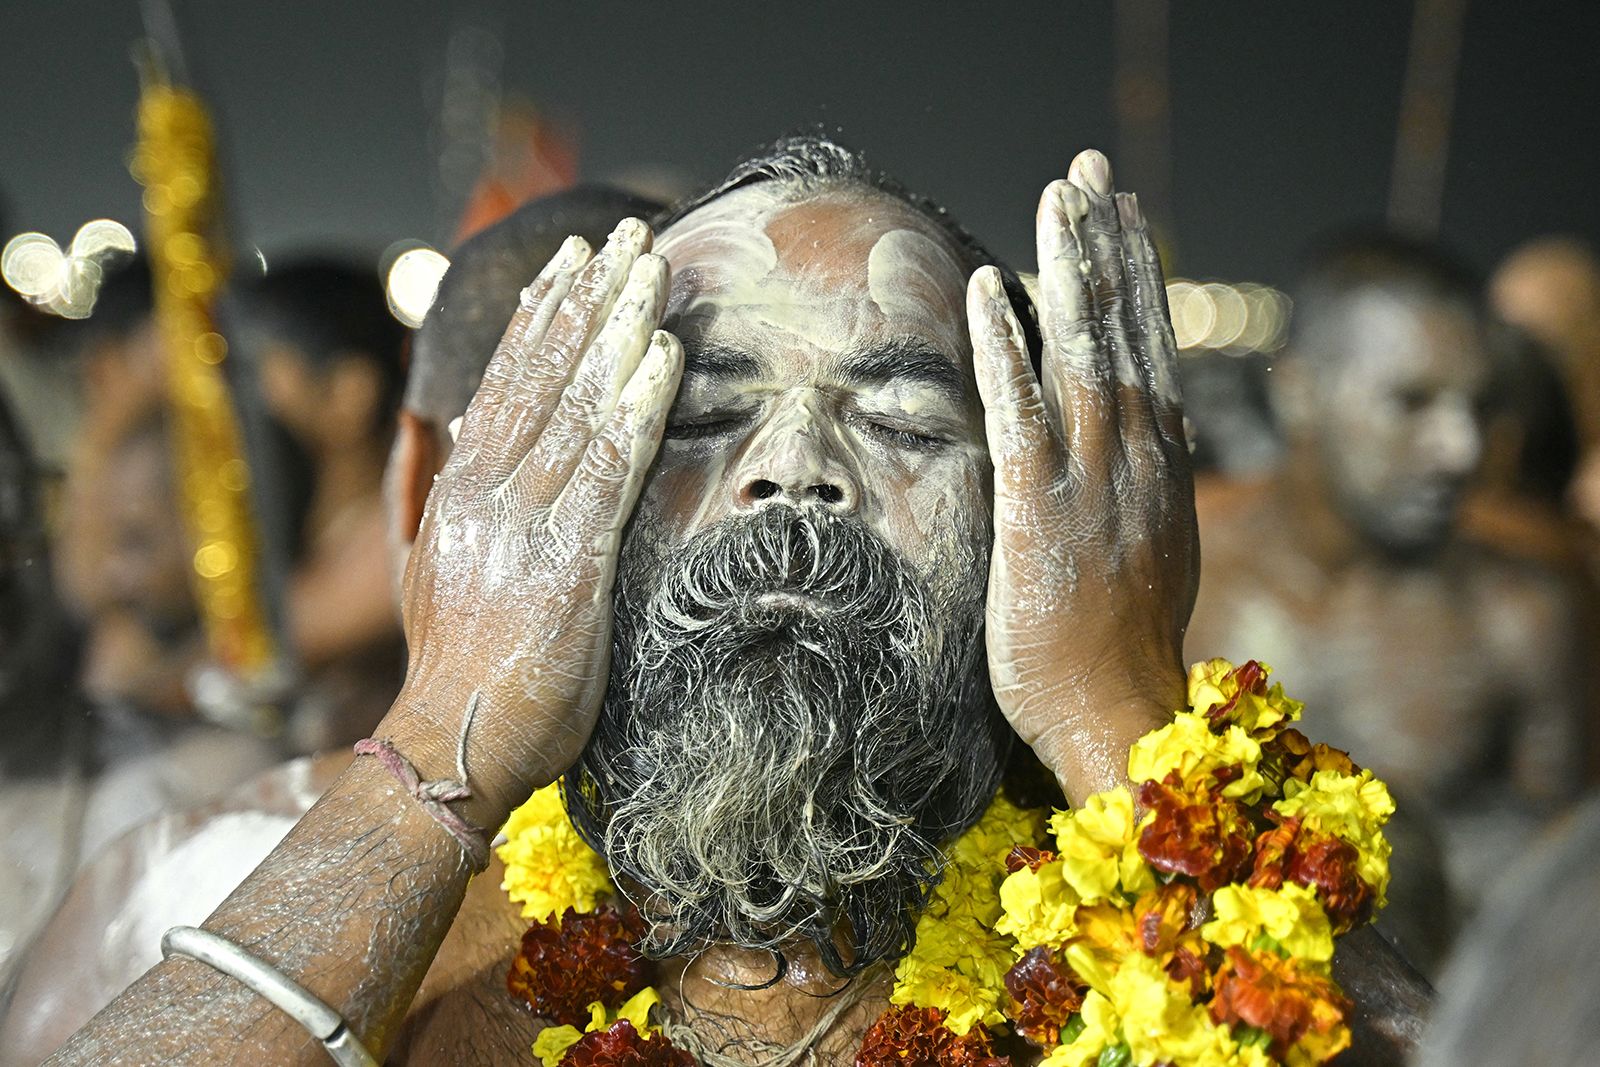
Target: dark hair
(1350, 263)
(329, 310)
(479, 292)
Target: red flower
(1294, 1006)
(1196, 831)
(1291, 853)
(621, 1046)
(560, 970)
(1044, 993)
(1292, 755)
(918, 1037)
(1025, 856)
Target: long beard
(771, 767)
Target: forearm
(352, 905)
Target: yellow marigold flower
(966, 999)
(1290, 916)
(1216, 683)
(548, 867)
(1002, 827)
(1037, 907)
(1099, 847)
(554, 1041)
(1351, 807)
(1188, 746)
(1153, 1015)
(1100, 1024)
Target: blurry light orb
(33, 264)
(99, 237)
(1229, 314)
(413, 282)
(1194, 313)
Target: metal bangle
(319, 1020)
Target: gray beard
(769, 771)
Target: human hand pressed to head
(1096, 555)
(507, 592)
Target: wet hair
(479, 292)
(329, 310)
(1352, 263)
(811, 161)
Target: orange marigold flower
(1193, 830)
(918, 1037)
(1296, 1007)
(623, 1046)
(1291, 853)
(561, 969)
(1044, 993)
(1026, 856)
(1292, 755)
(1188, 965)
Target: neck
(727, 1001)
(1305, 507)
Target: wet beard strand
(771, 771)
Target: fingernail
(629, 230)
(1094, 170)
(990, 282)
(572, 250)
(1128, 210)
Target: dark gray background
(1283, 113)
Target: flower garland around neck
(1093, 952)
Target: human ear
(1290, 390)
(415, 458)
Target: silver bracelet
(320, 1021)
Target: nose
(797, 460)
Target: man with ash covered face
(1459, 670)
(872, 553)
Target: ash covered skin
(799, 712)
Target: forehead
(820, 270)
(1390, 336)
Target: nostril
(828, 494)
(761, 489)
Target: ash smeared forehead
(848, 257)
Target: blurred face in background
(1397, 415)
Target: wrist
(439, 732)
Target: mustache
(838, 562)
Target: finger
(529, 401)
(536, 308)
(593, 507)
(1155, 337)
(597, 384)
(1022, 443)
(1078, 388)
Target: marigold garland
(1091, 949)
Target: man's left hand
(1096, 555)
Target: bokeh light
(1234, 318)
(65, 283)
(412, 281)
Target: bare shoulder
(462, 1012)
(1529, 606)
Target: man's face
(798, 711)
(827, 365)
(1400, 416)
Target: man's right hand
(508, 590)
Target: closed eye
(895, 434)
(712, 424)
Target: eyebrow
(719, 363)
(904, 359)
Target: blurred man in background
(1460, 670)
(319, 333)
